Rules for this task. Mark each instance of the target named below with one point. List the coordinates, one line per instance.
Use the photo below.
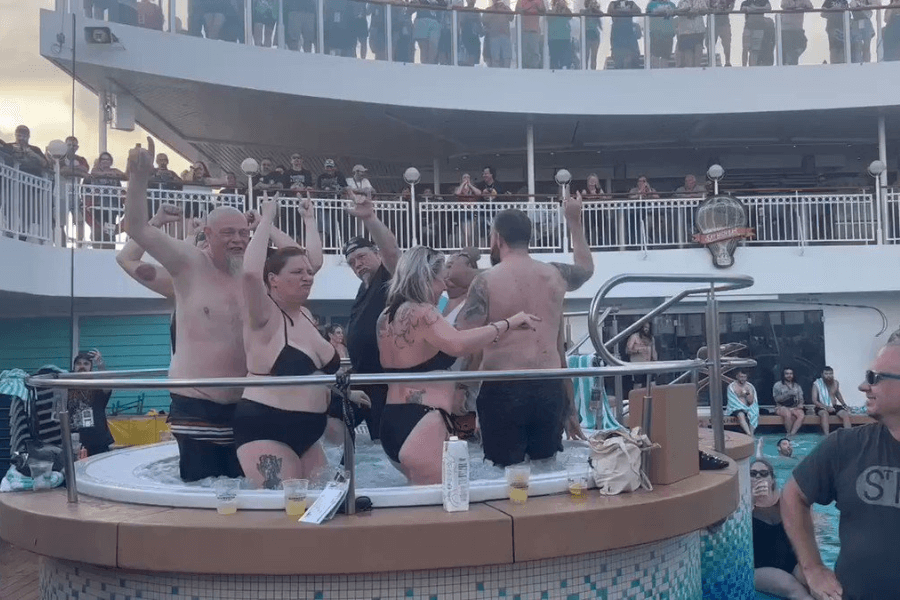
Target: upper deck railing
(620, 35)
(91, 216)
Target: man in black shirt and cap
(374, 263)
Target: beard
(235, 264)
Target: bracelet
(508, 326)
(497, 338)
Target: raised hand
(252, 217)
(307, 209)
(167, 213)
(140, 161)
(363, 207)
(268, 209)
(572, 207)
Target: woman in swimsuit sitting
(277, 429)
(414, 337)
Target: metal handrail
(715, 283)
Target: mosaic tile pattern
(669, 569)
(727, 550)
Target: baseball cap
(329, 163)
(355, 244)
(360, 169)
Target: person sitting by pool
(277, 429)
(828, 400)
(743, 403)
(788, 396)
(414, 337)
(776, 569)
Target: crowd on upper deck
(678, 32)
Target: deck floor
(18, 573)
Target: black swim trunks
(520, 418)
(297, 429)
(203, 430)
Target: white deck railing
(26, 205)
(27, 211)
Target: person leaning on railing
(793, 38)
(559, 35)
(722, 19)
(592, 27)
(834, 27)
(624, 34)
(662, 32)
(691, 32)
(104, 204)
(758, 39)
(890, 33)
(497, 43)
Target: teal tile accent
(501, 593)
(319, 595)
(409, 593)
(573, 597)
(479, 586)
(545, 595)
(563, 583)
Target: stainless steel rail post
(716, 411)
(617, 380)
(350, 467)
(647, 420)
(68, 458)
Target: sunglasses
(762, 473)
(874, 377)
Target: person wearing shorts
(521, 419)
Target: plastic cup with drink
(517, 477)
(295, 491)
(41, 471)
(578, 474)
(226, 495)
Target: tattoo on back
(415, 397)
(475, 310)
(574, 276)
(407, 319)
(269, 466)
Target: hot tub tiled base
(668, 569)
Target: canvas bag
(616, 460)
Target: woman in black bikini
(414, 337)
(776, 569)
(277, 429)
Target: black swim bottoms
(205, 438)
(837, 410)
(297, 429)
(398, 421)
(520, 418)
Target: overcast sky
(36, 93)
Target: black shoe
(708, 462)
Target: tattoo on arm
(475, 311)
(415, 397)
(269, 466)
(574, 276)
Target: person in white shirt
(359, 182)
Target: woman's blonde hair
(414, 277)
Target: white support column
(454, 38)
(847, 51)
(102, 122)
(170, 16)
(248, 23)
(320, 27)
(779, 41)
(388, 32)
(647, 42)
(882, 148)
(529, 150)
(280, 33)
(436, 162)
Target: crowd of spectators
(677, 31)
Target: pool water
(825, 518)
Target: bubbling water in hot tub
(149, 475)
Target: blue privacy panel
(130, 342)
(29, 344)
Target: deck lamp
(715, 172)
(250, 168)
(412, 176)
(563, 178)
(876, 168)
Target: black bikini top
(292, 361)
(438, 362)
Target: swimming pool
(825, 518)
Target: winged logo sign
(721, 222)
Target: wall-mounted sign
(721, 222)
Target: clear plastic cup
(578, 474)
(295, 491)
(226, 495)
(517, 477)
(40, 473)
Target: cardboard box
(673, 426)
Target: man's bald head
(227, 232)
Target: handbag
(616, 460)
